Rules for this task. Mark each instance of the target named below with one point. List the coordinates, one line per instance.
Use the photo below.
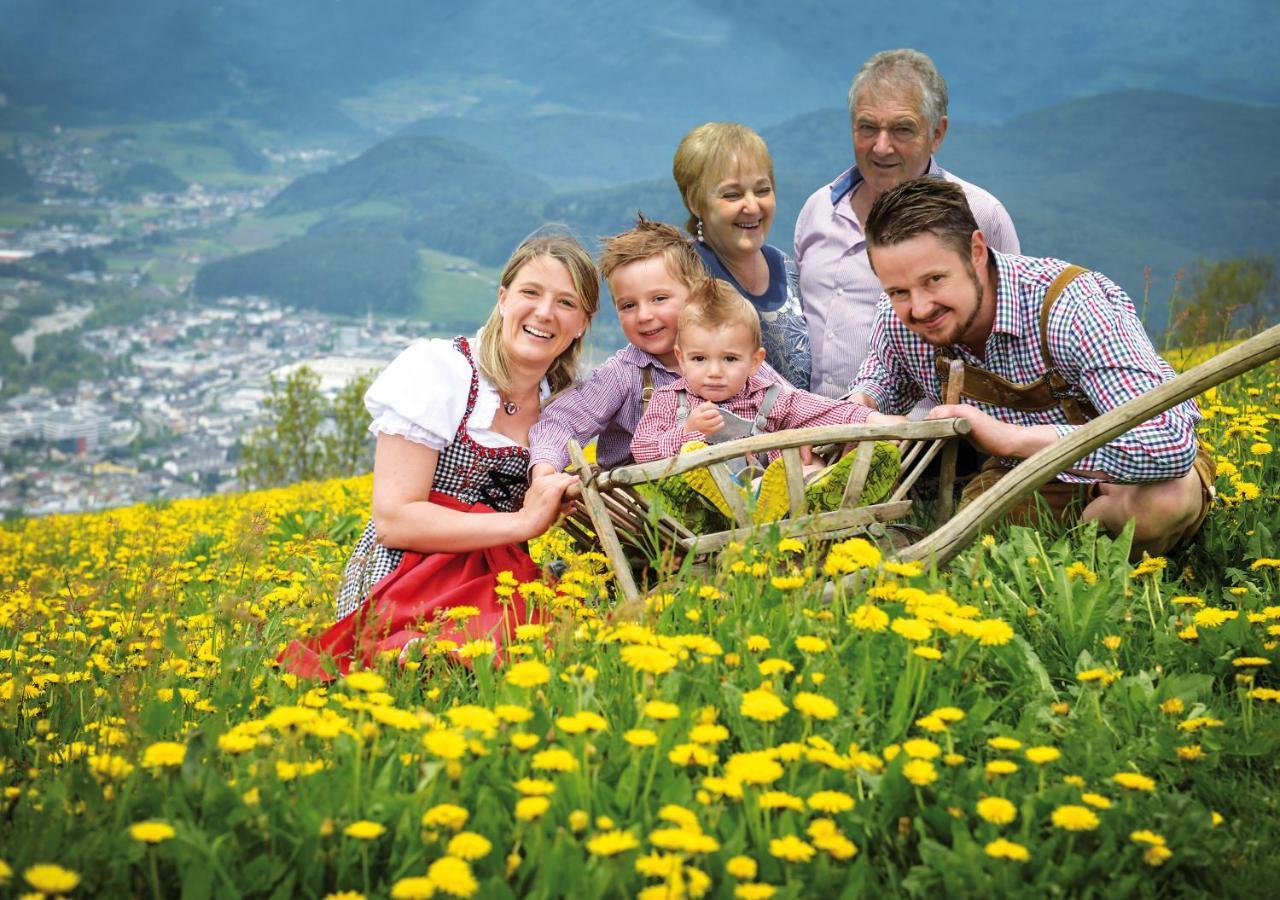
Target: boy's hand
(705, 419)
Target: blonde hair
(705, 156)
(648, 239)
(714, 304)
(586, 283)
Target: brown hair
(714, 304)
(705, 156)
(586, 283)
(926, 204)
(648, 239)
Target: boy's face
(649, 299)
(718, 361)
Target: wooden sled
(615, 518)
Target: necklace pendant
(509, 407)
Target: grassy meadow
(1042, 718)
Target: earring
(581, 333)
(699, 231)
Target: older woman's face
(541, 312)
(738, 211)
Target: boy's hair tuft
(647, 239)
(714, 304)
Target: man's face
(892, 140)
(935, 290)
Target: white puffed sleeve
(422, 395)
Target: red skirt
(417, 592)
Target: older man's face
(892, 140)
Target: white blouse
(422, 394)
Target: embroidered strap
(460, 344)
(1046, 392)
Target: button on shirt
(1096, 343)
(840, 291)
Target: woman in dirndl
(452, 504)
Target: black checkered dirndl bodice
(468, 472)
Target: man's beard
(960, 330)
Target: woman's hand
(705, 419)
(545, 501)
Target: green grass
(455, 296)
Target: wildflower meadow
(1040, 718)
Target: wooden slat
(815, 524)
(780, 440)
(947, 466)
(793, 467)
(935, 447)
(858, 474)
(604, 528)
(732, 492)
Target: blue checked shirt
(1097, 344)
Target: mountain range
(1118, 182)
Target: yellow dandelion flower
(815, 706)
(1004, 849)
(1070, 817)
(997, 810)
(920, 772)
(762, 706)
(151, 832)
(791, 849)
(50, 879)
(364, 830)
(1134, 781)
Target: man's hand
(704, 419)
(541, 469)
(994, 437)
(862, 398)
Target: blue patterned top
(782, 325)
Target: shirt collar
(640, 358)
(1007, 319)
(851, 177)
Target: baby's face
(649, 298)
(718, 361)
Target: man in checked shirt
(1046, 346)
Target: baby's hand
(705, 419)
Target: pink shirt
(839, 289)
(659, 436)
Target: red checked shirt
(1097, 344)
(659, 435)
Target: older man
(1045, 347)
(898, 107)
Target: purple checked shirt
(607, 404)
(1097, 344)
(839, 289)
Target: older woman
(451, 502)
(725, 176)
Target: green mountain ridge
(1118, 182)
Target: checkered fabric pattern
(1096, 343)
(659, 436)
(466, 471)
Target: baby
(721, 394)
(650, 269)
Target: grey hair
(904, 69)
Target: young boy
(721, 396)
(650, 269)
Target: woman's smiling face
(737, 213)
(541, 312)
